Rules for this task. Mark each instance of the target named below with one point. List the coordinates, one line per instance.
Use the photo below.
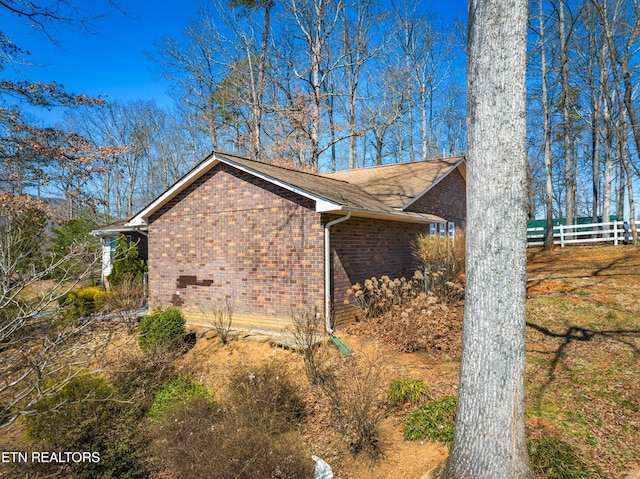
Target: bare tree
(489, 439)
(39, 351)
(316, 21)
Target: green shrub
(552, 458)
(164, 330)
(80, 302)
(434, 421)
(175, 392)
(409, 390)
(126, 263)
(85, 416)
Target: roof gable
(331, 194)
(401, 184)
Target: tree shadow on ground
(579, 334)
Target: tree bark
(548, 167)
(569, 159)
(489, 439)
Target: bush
(434, 421)
(403, 391)
(126, 263)
(174, 393)
(85, 416)
(354, 392)
(426, 324)
(222, 321)
(553, 458)
(139, 376)
(253, 435)
(443, 263)
(125, 300)
(385, 295)
(265, 397)
(309, 334)
(199, 440)
(163, 330)
(80, 302)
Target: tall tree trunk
(257, 107)
(546, 127)
(607, 176)
(489, 440)
(624, 164)
(569, 160)
(595, 60)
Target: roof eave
(114, 231)
(432, 185)
(141, 219)
(418, 218)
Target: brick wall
(232, 235)
(363, 248)
(448, 199)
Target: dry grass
(583, 368)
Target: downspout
(327, 271)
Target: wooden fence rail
(612, 232)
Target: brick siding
(363, 248)
(447, 199)
(232, 235)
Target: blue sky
(111, 61)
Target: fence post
(615, 233)
(561, 236)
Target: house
(109, 235)
(275, 241)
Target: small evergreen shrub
(164, 330)
(126, 263)
(434, 421)
(409, 390)
(80, 302)
(175, 392)
(553, 458)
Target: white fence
(612, 232)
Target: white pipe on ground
(327, 271)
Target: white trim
(141, 218)
(430, 187)
(401, 216)
(322, 205)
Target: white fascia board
(114, 232)
(426, 190)
(322, 204)
(141, 218)
(400, 216)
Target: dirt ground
(592, 291)
(209, 360)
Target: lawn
(583, 347)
